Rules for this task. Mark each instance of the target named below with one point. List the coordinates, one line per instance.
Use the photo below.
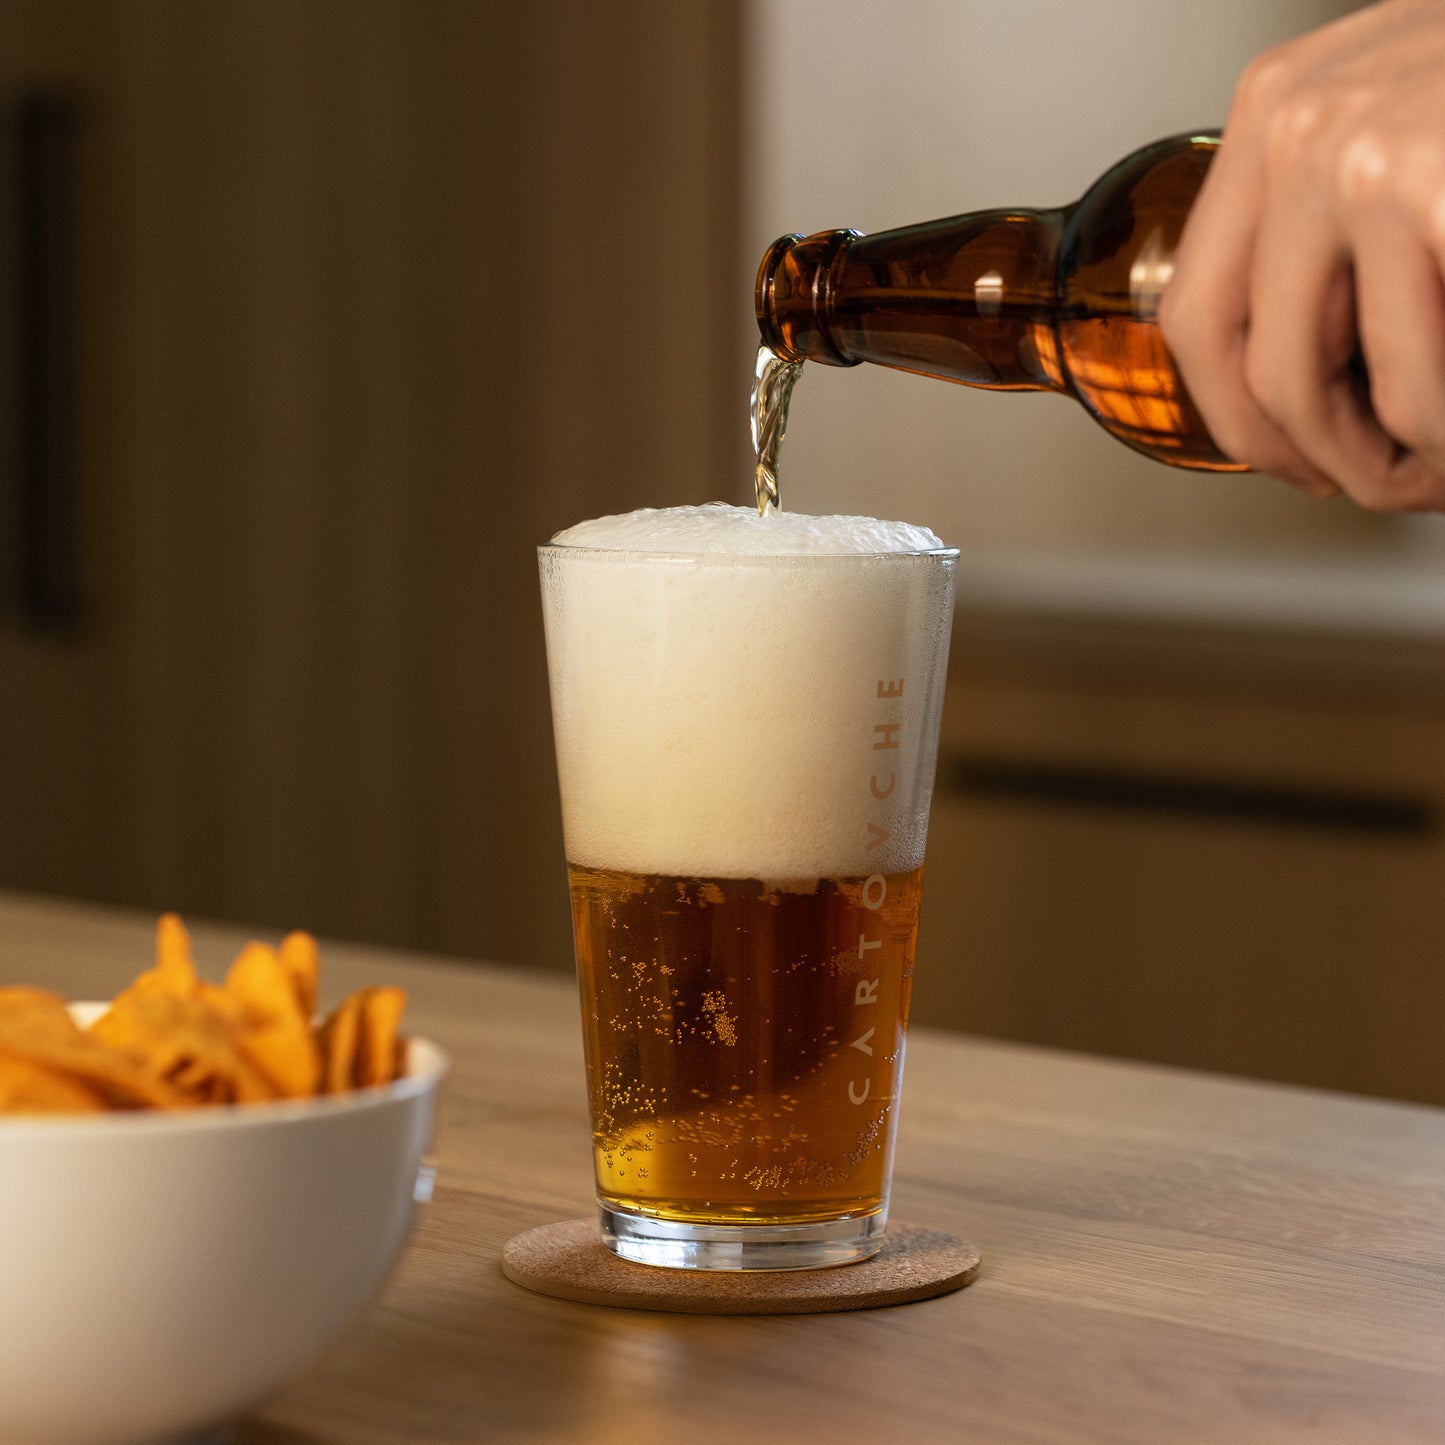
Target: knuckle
(1366, 168)
(1264, 79)
(1294, 125)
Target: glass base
(670, 1245)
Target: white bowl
(162, 1273)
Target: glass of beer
(746, 718)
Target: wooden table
(1168, 1257)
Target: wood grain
(1171, 1257)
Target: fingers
(1319, 238)
(1302, 337)
(1402, 331)
(1317, 296)
(1205, 316)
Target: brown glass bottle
(1060, 300)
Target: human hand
(1319, 237)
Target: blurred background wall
(368, 298)
(319, 314)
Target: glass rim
(915, 554)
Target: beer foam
(746, 697)
(717, 529)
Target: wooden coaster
(569, 1261)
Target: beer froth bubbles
(711, 685)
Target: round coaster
(569, 1261)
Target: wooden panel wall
(1208, 850)
(375, 296)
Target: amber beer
(745, 1055)
(746, 742)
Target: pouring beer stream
(773, 381)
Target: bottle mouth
(765, 298)
(793, 297)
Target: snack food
(172, 1040)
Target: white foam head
(737, 696)
(717, 529)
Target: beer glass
(746, 749)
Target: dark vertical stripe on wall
(44, 570)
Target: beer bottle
(1055, 300)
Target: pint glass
(746, 747)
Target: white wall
(872, 115)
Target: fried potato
(175, 968)
(18, 1001)
(378, 1057)
(30, 1088)
(302, 962)
(183, 1038)
(172, 1040)
(274, 1031)
(174, 971)
(340, 1044)
(361, 1041)
(36, 1027)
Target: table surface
(1168, 1257)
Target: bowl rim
(427, 1064)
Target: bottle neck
(969, 299)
